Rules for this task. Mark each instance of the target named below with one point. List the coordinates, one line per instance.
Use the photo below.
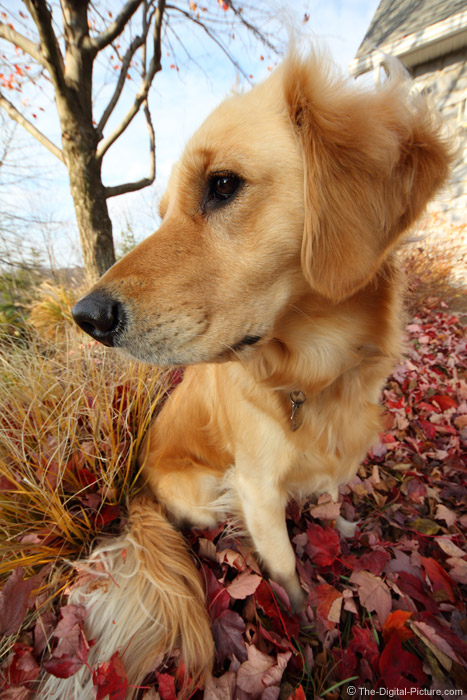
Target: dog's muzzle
(100, 316)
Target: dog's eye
(221, 188)
(224, 187)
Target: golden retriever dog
(272, 278)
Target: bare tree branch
(127, 187)
(18, 117)
(251, 28)
(134, 46)
(154, 67)
(50, 50)
(126, 121)
(113, 30)
(21, 42)
(145, 181)
(213, 37)
(7, 140)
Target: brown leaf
(250, 674)
(373, 593)
(244, 585)
(443, 513)
(221, 688)
(449, 548)
(458, 571)
(328, 602)
(437, 645)
(326, 508)
(273, 675)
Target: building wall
(445, 79)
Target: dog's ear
(372, 160)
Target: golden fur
(300, 257)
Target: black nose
(100, 316)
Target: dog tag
(297, 399)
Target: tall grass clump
(72, 416)
(50, 310)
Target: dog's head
(300, 186)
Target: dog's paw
(297, 595)
(298, 601)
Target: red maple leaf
(22, 668)
(399, 668)
(63, 666)
(109, 678)
(166, 686)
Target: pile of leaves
(386, 607)
(434, 260)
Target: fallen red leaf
(416, 589)
(395, 623)
(328, 603)
(218, 598)
(298, 694)
(364, 643)
(109, 678)
(281, 622)
(62, 666)
(14, 599)
(399, 668)
(106, 515)
(166, 686)
(444, 401)
(227, 631)
(323, 545)
(375, 562)
(440, 580)
(22, 668)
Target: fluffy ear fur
(372, 160)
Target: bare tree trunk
(71, 76)
(88, 192)
(79, 143)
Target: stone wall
(445, 79)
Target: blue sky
(179, 103)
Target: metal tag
(297, 399)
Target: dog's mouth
(235, 349)
(247, 340)
(105, 320)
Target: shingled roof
(416, 31)
(395, 19)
